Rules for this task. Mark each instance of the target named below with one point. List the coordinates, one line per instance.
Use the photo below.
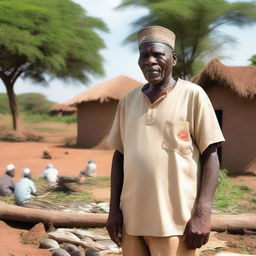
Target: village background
(71, 120)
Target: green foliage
(50, 37)
(194, 22)
(227, 196)
(253, 60)
(34, 103)
(37, 118)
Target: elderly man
(165, 167)
(24, 189)
(6, 181)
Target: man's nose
(150, 60)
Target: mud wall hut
(96, 109)
(232, 90)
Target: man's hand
(197, 231)
(114, 226)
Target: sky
(120, 59)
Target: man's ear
(175, 58)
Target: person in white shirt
(90, 169)
(24, 189)
(50, 174)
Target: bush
(36, 118)
(34, 103)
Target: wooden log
(57, 218)
(220, 222)
(234, 223)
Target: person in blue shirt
(24, 189)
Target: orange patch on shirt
(184, 135)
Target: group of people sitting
(25, 188)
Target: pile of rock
(71, 242)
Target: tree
(253, 60)
(40, 40)
(195, 24)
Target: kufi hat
(26, 171)
(156, 34)
(9, 167)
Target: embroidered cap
(9, 167)
(156, 34)
(26, 172)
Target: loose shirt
(161, 144)
(24, 190)
(6, 185)
(50, 174)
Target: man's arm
(115, 218)
(198, 228)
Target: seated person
(6, 181)
(50, 174)
(90, 169)
(24, 189)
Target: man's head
(27, 173)
(50, 165)
(10, 170)
(157, 58)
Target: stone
(60, 252)
(92, 252)
(49, 244)
(72, 249)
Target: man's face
(156, 62)
(12, 173)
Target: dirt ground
(69, 162)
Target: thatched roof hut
(96, 108)
(240, 79)
(232, 90)
(112, 89)
(62, 109)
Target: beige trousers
(154, 246)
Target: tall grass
(228, 196)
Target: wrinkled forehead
(154, 47)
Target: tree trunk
(12, 104)
(57, 218)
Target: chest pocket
(176, 137)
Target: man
(6, 181)
(165, 167)
(24, 189)
(50, 174)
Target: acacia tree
(44, 39)
(195, 24)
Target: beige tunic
(161, 143)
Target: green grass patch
(37, 118)
(7, 199)
(228, 197)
